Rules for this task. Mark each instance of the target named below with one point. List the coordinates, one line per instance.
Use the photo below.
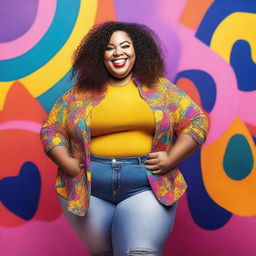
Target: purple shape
(254, 139)
(147, 12)
(243, 65)
(205, 85)
(16, 17)
(20, 194)
(206, 213)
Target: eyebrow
(121, 43)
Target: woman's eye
(126, 46)
(109, 48)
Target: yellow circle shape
(234, 27)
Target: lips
(119, 62)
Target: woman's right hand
(72, 166)
(63, 158)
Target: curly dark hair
(88, 59)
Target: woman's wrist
(181, 150)
(172, 160)
(71, 166)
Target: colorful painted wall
(210, 52)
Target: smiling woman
(119, 58)
(102, 45)
(112, 136)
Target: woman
(117, 137)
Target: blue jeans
(124, 217)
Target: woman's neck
(120, 81)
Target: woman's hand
(72, 166)
(159, 162)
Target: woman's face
(119, 56)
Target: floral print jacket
(68, 124)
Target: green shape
(238, 159)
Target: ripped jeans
(124, 217)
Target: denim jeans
(124, 216)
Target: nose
(118, 51)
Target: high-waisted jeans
(124, 216)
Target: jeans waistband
(120, 160)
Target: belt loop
(139, 159)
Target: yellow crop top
(122, 124)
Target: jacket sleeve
(53, 131)
(188, 117)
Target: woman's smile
(119, 62)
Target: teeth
(119, 61)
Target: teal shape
(165, 139)
(48, 98)
(63, 23)
(82, 125)
(238, 158)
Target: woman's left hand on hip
(158, 162)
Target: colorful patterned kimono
(68, 124)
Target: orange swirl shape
(235, 195)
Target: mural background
(210, 52)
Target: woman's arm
(61, 156)
(161, 162)
(191, 127)
(53, 131)
(55, 139)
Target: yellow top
(122, 124)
